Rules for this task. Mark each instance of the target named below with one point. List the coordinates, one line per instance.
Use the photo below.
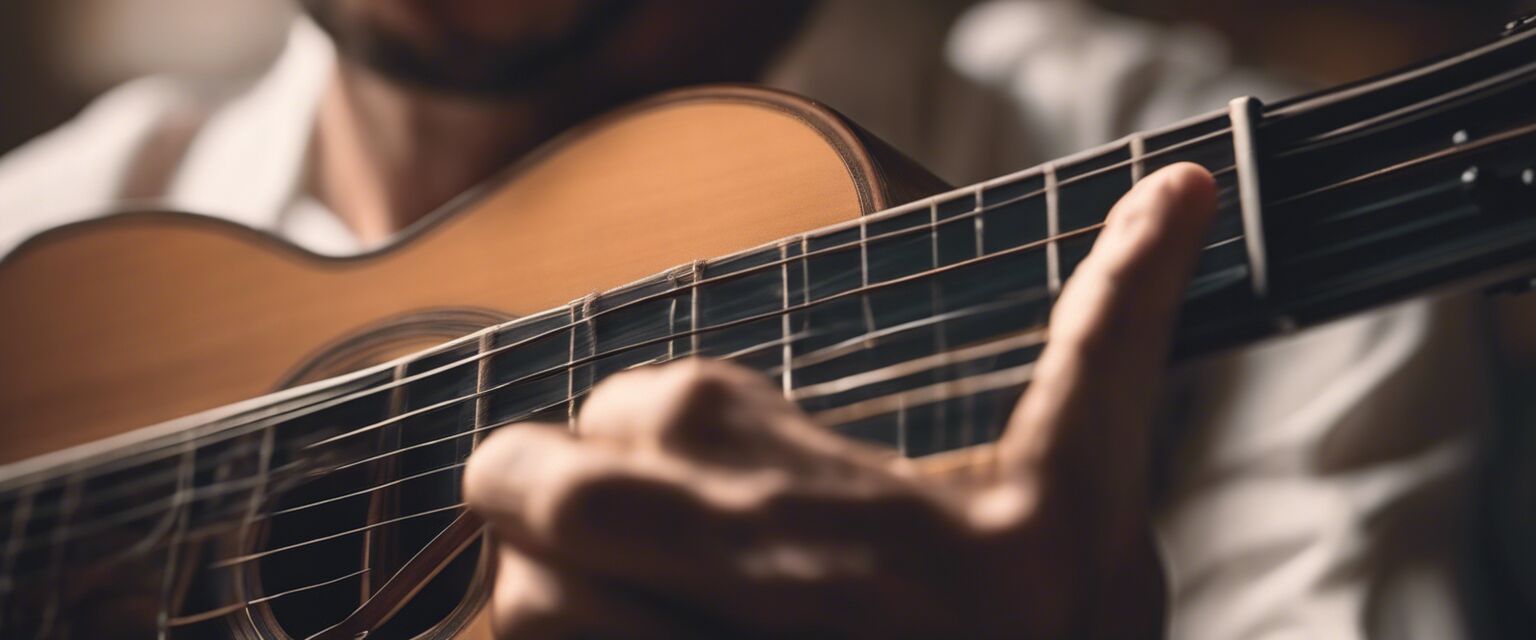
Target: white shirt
(1313, 487)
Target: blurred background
(55, 55)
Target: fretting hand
(698, 502)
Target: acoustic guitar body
(131, 320)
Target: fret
(747, 292)
(1205, 141)
(956, 240)
(181, 512)
(1244, 115)
(1086, 190)
(585, 374)
(673, 284)
(621, 319)
(903, 247)
(523, 391)
(58, 544)
(440, 411)
(570, 370)
(483, 344)
(1138, 146)
(864, 303)
(786, 350)
(1052, 230)
(941, 414)
(695, 274)
(979, 223)
(20, 517)
(904, 314)
(257, 498)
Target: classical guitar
(328, 506)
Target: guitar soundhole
(380, 495)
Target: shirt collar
(247, 163)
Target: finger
(1096, 382)
(715, 412)
(532, 601)
(605, 509)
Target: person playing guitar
(739, 516)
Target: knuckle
(584, 504)
(530, 621)
(1002, 513)
(694, 396)
(485, 470)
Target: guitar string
(911, 277)
(234, 485)
(807, 359)
(236, 429)
(899, 369)
(1402, 116)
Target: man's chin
(456, 62)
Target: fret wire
(253, 506)
(787, 353)
(978, 221)
(672, 287)
(587, 312)
(695, 279)
(236, 429)
(181, 507)
(1052, 229)
(482, 378)
(570, 374)
(1244, 114)
(68, 505)
(938, 308)
(378, 504)
(20, 517)
(865, 305)
(1138, 147)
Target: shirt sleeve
(83, 168)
